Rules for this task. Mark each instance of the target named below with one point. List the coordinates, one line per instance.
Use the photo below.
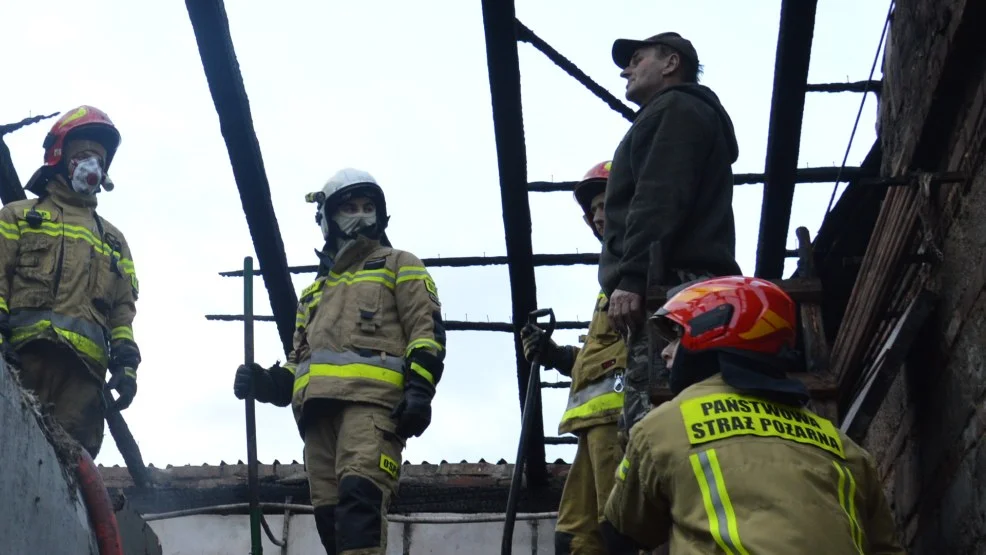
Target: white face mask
(87, 176)
(351, 223)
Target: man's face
(77, 157)
(597, 208)
(646, 74)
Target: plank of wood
(873, 286)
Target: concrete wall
(928, 434)
(230, 535)
(40, 512)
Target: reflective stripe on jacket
(718, 471)
(70, 277)
(596, 394)
(357, 322)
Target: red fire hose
(100, 508)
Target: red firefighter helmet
(84, 122)
(593, 183)
(735, 312)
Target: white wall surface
(230, 535)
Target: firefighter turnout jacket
(596, 394)
(718, 471)
(359, 321)
(68, 277)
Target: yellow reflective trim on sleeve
(607, 401)
(718, 508)
(122, 332)
(9, 231)
(621, 471)
(423, 342)
(355, 370)
(130, 372)
(290, 367)
(421, 371)
(847, 500)
(389, 466)
(3, 305)
(722, 415)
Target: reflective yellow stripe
(421, 371)
(409, 273)
(54, 229)
(419, 343)
(130, 372)
(3, 305)
(847, 500)
(607, 401)
(722, 519)
(355, 370)
(290, 367)
(9, 231)
(122, 332)
(621, 472)
(382, 276)
(80, 342)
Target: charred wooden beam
(502, 60)
(563, 440)
(797, 27)
(526, 35)
(880, 375)
(222, 72)
(802, 175)
(590, 259)
(556, 385)
(872, 85)
(10, 184)
(450, 325)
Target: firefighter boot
(325, 523)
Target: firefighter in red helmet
(735, 463)
(595, 400)
(67, 299)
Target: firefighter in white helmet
(369, 346)
(595, 400)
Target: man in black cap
(671, 185)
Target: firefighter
(594, 400)
(369, 346)
(67, 298)
(670, 194)
(735, 463)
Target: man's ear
(672, 65)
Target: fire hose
(101, 514)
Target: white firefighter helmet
(343, 185)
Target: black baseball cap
(623, 49)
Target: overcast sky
(399, 89)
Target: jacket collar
(354, 252)
(62, 194)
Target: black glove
(413, 413)
(124, 381)
(552, 356)
(273, 386)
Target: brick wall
(928, 432)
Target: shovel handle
(535, 315)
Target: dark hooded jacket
(671, 182)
